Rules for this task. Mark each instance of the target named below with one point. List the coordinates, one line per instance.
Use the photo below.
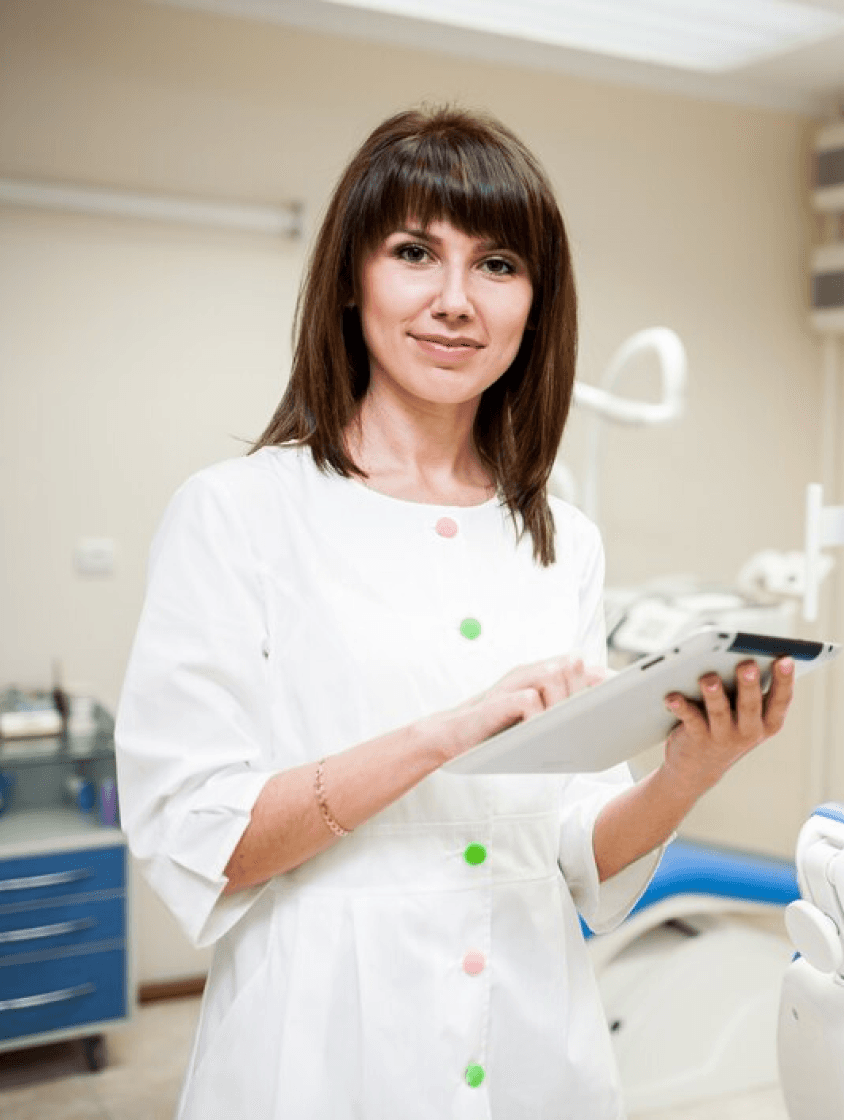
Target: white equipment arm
(602, 401)
(672, 365)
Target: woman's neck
(420, 456)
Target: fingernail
(672, 702)
(749, 673)
(786, 665)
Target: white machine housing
(810, 1035)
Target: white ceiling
(809, 78)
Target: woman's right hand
(522, 693)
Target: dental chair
(810, 1035)
(690, 982)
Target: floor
(144, 1071)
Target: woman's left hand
(714, 735)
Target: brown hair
(469, 169)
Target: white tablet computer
(625, 714)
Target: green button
(474, 1076)
(475, 854)
(470, 628)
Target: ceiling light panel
(702, 35)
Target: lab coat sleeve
(193, 726)
(605, 905)
(602, 905)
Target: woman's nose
(452, 299)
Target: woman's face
(442, 312)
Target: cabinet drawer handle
(46, 997)
(58, 929)
(54, 880)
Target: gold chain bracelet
(319, 790)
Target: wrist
(433, 741)
(682, 787)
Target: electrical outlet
(94, 556)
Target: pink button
(474, 962)
(447, 527)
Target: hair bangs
(449, 178)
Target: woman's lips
(444, 346)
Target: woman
(381, 585)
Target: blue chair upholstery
(688, 868)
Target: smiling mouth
(448, 343)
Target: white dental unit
(811, 1015)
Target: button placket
(460, 601)
(447, 528)
(474, 964)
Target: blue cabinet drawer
(44, 926)
(64, 991)
(60, 874)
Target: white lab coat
(289, 615)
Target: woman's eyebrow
(486, 244)
(418, 232)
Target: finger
(719, 714)
(530, 675)
(523, 704)
(529, 703)
(748, 698)
(562, 679)
(688, 714)
(496, 713)
(779, 695)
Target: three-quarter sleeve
(193, 726)
(602, 905)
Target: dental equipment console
(811, 1017)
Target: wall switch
(94, 556)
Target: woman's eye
(413, 254)
(498, 266)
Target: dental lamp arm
(605, 404)
(672, 367)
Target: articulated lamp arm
(607, 405)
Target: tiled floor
(146, 1060)
(144, 1071)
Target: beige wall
(131, 354)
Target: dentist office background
(135, 349)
